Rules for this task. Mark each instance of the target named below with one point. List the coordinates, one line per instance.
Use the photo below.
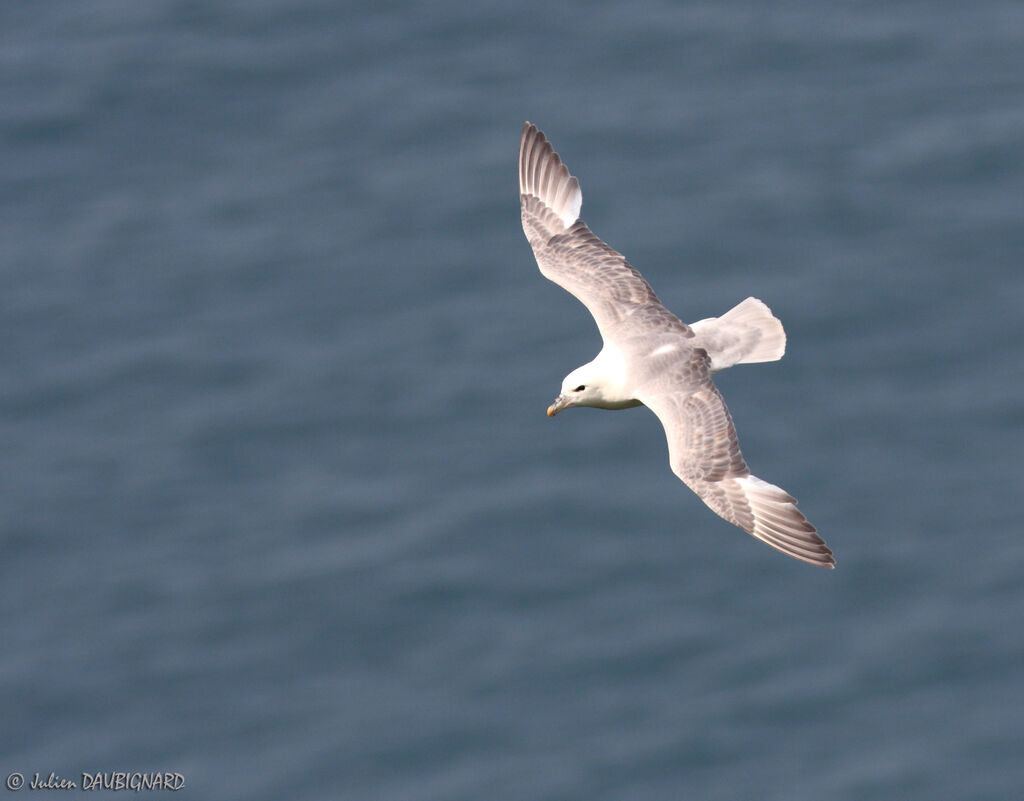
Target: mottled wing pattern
(568, 252)
(705, 453)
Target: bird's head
(582, 387)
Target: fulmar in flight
(650, 357)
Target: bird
(652, 358)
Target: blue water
(281, 510)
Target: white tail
(746, 334)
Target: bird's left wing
(704, 452)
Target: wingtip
(543, 175)
(779, 523)
(533, 132)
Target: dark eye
(580, 388)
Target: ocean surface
(280, 507)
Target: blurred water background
(281, 509)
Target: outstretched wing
(569, 253)
(705, 453)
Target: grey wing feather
(569, 253)
(704, 452)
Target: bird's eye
(580, 388)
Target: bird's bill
(560, 403)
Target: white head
(584, 386)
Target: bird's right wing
(569, 253)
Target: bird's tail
(746, 334)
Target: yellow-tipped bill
(560, 403)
